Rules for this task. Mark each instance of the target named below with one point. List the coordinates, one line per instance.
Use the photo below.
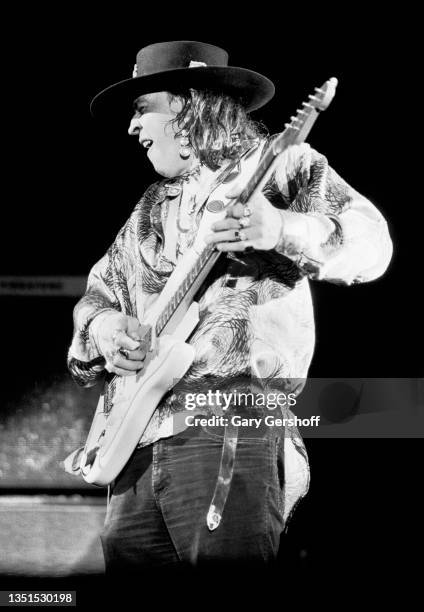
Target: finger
(134, 328)
(119, 361)
(234, 191)
(122, 340)
(237, 211)
(225, 224)
(119, 371)
(138, 355)
(224, 236)
(233, 246)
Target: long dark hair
(218, 126)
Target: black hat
(182, 64)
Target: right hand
(114, 331)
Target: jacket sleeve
(329, 230)
(108, 289)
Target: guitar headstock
(317, 102)
(324, 94)
(300, 125)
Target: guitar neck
(193, 279)
(295, 133)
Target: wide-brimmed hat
(183, 64)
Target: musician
(193, 495)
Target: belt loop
(225, 475)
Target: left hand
(261, 229)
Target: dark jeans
(158, 505)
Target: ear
(175, 104)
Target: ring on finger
(244, 221)
(240, 235)
(124, 352)
(247, 212)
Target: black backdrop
(74, 182)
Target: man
(194, 495)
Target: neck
(192, 170)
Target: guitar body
(113, 436)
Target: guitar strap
(226, 469)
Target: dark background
(74, 182)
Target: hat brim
(250, 88)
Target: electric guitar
(114, 435)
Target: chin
(165, 172)
(170, 170)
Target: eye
(137, 113)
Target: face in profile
(151, 123)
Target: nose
(135, 126)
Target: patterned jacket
(256, 315)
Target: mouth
(146, 143)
